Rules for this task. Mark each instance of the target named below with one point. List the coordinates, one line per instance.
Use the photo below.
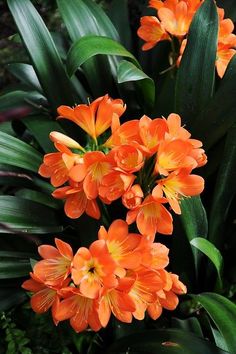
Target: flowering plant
(105, 149)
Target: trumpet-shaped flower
(76, 201)
(152, 31)
(81, 310)
(128, 158)
(56, 264)
(132, 197)
(57, 165)
(180, 184)
(93, 269)
(122, 245)
(152, 132)
(151, 216)
(96, 117)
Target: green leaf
(39, 197)
(82, 18)
(211, 252)
(14, 268)
(41, 126)
(89, 46)
(43, 53)
(225, 190)
(167, 341)
(127, 72)
(10, 297)
(196, 74)
(220, 114)
(17, 153)
(17, 214)
(223, 313)
(26, 74)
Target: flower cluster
(146, 163)
(173, 20)
(121, 273)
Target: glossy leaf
(18, 214)
(89, 46)
(211, 252)
(220, 114)
(41, 126)
(223, 313)
(43, 53)
(38, 197)
(26, 74)
(17, 153)
(166, 341)
(14, 268)
(225, 190)
(82, 18)
(127, 72)
(196, 74)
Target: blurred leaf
(42, 50)
(223, 313)
(89, 46)
(41, 126)
(229, 7)
(225, 190)
(26, 74)
(14, 268)
(196, 74)
(119, 14)
(127, 72)
(17, 104)
(23, 215)
(17, 153)
(189, 325)
(166, 341)
(211, 252)
(10, 297)
(220, 113)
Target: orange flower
(180, 184)
(122, 246)
(152, 131)
(143, 292)
(173, 155)
(96, 117)
(45, 297)
(128, 158)
(114, 185)
(57, 165)
(81, 311)
(76, 201)
(151, 216)
(224, 55)
(56, 263)
(93, 269)
(63, 139)
(118, 302)
(177, 20)
(132, 197)
(127, 133)
(157, 4)
(151, 31)
(95, 166)
(154, 255)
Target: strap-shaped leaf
(220, 113)
(17, 214)
(127, 72)
(211, 252)
(10, 298)
(14, 268)
(225, 190)
(26, 74)
(17, 153)
(82, 18)
(89, 46)
(223, 313)
(167, 341)
(42, 50)
(41, 126)
(196, 74)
